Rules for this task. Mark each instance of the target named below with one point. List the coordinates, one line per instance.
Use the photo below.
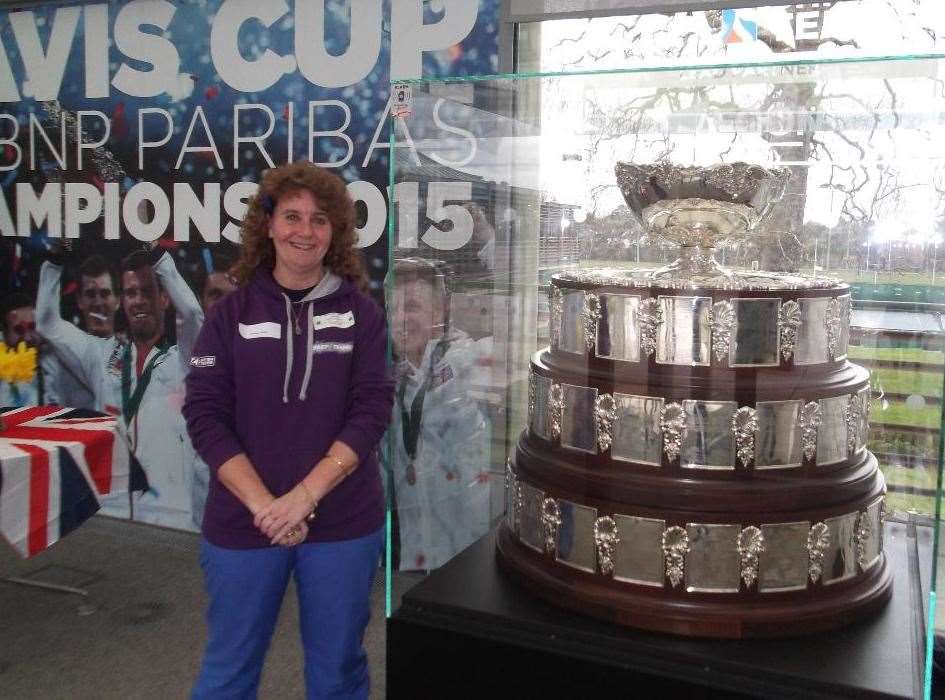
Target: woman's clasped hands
(283, 521)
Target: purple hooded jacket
(280, 382)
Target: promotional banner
(131, 136)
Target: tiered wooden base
(705, 550)
(697, 615)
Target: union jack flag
(55, 465)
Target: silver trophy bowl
(699, 209)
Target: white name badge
(333, 347)
(267, 329)
(345, 320)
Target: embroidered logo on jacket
(441, 375)
(267, 329)
(333, 347)
(345, 320)
(113, 366)
(203, 361)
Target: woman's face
(300, 232)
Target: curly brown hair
(330, 192)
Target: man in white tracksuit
(142, 380)
(440, 437)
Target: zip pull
(295, 319)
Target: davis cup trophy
(695, 458)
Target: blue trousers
(246, 588)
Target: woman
(287, 397)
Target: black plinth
(467, 630)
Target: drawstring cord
(308, 352)
(288, 349)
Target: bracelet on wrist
(311, 516)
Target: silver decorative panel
(639, 555)
(708, 442)
(637, 434)
(778, 442)
(554, 315)
(618, 335)
(541, 417)
(685, 336)
(811, 347)
(832, 433)
(755, 341)
(845, 317)
(529, 518)
(713, 562)
(576, 536)
(840, 557)
(578, 426)
(783, 564)
(572, 322)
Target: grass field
(863, 352)
(897, 381)
(887, 440)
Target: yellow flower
(17, 365)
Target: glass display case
(675, 334)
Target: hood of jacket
(330, 287)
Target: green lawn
(918, 478)
(899, 381)
(899, 414)
(865, 352)
(894, 277)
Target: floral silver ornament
(882, 521)
(818, 542)
(606, 539)
(590, 318)
(555, 410)
(861, 538)
(519, 502)
(550, 522)
(673, 425)
(789, 321)
(741, 179)
(649, 317)
(852, 416)
(723, 322)
(832, 325)
(555, 304)
(532, 392)
(751, 543)
(809, 423)
(744, 428)
(511, 490)
(675, 545)
(605, 411)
